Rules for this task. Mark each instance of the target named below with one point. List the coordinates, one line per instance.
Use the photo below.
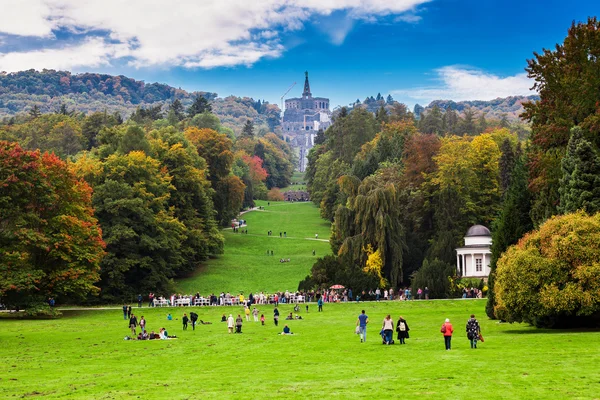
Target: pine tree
(467, 124)
(580, 183)
(514, 221)
(389, 99)
(199, 106)
(381, 116)
(35, 111)
(248, 129)
(176, 109)
(506, 165)
(432, 121)
(319, 139)
(481, 124)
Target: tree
(199, 106)
(467, 123)
(35, 111)
(381, 116)
(481, 123)
(506, 164)
(513, 222)
(580, 183)
(431, 122)
(206, 120)
(567, 81)
(248, 129)
(434, 275)
(134, 139)
(50, 242)
(275, 195)
(177, 109)
(144, 238)
(549, 279)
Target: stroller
(382, 333)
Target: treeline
(129, 205)
(88, 93)
(401, 193)
(397, 197)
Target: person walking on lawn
(402, 329)
(473, 331)
(447, 331)
(238, 324)
(125, 311)
(362, 322)
(185, 320)
(132, 325)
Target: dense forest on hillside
(89, 92)
(510, 107)
(401, 192)
(92, 204)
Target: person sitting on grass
(223, 318)
(169, 317)
(298, 316)
(286, 331)
(289, 317)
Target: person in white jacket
(230, 322)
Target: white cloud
(460, 83)
(92, 52)
(192, 33)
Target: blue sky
(417, 50)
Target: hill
(90, 92)
(511, 106)
(245, 266)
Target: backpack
(443, 330)
(402, 326)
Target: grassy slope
(83, 356)
(245, 265)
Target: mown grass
(83, 355)
(246, 267)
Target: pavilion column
(458, 269)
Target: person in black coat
(185, 320)
(402, 329)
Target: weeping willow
(371, 218)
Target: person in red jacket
(447, 332)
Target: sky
(415, 50)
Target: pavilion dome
(478, 230)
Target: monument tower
(302, 119)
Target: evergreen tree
(381, 116)
(35, 111)
(580, 183)
(432, 121)
(248, 129)
(417, 110)
(513, 222)
(389, 99)
(451, 121)
(319, 139)
(506, 165)
(176, 108)
(481, 124)
(467, 123)
(504, 121)
(199, 106)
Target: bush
(41, 311)
(436, 276)
(275, 195)
(551, 278)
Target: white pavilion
(473, 260)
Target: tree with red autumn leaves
(50, 242)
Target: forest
(401, 192)
(49, 90)
(97, 209)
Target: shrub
(275, 195)
(551, 278)
(436, 276)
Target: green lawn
(245, 265)
(83, 355)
